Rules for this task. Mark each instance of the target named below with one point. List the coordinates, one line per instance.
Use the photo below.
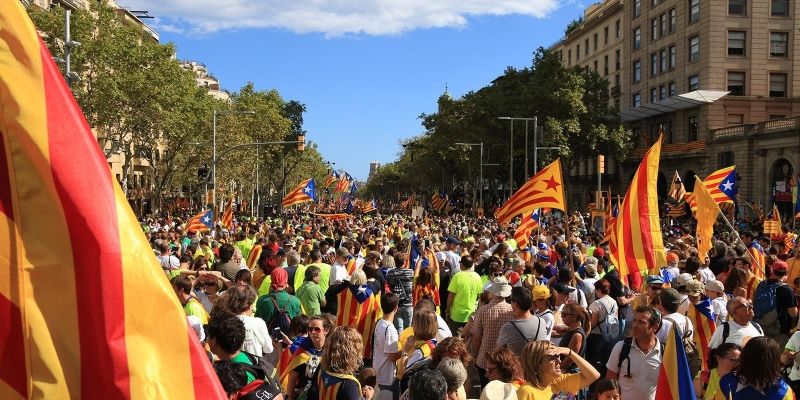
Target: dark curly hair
(227, 330)
(231, 375)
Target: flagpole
(739, 239)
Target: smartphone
(277, 332)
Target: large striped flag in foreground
(85, 309)
(545, 189)
(302, 193)
(636, 244)
(703, 319)
(674, 377)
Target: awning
(672, 104)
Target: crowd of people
(392, 307)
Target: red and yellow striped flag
(227, 216)
(702, 318)
(526, 226)
(85, 311)
(545, 189)
(636, 244)
(360, 308)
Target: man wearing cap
(268, 305)
(653, 286)
(586, 283)
(451, 255)
(775, 304)
(487, 323)
(680, 284)
(670, 301)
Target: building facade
(718, 78)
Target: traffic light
(202, 172)
(301, 143)
(601, 164)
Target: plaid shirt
(488, 320)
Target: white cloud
(331, 17)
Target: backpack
(726, 330)
(259, 367)
(281, 318)
(765, 307)
(625, 351)
(690, 348)
(609, 326)
(265, 386)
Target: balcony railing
(745, 130)
(673, 148)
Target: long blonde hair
(533, 355)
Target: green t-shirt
(242, 358)
(193, 307)
(310, 296)
(324, 276)
(245, 246)
(265, 309)
(466, 285)
(299, 277)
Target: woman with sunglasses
(721, 361)
(541, 368)
(306, 354)
(576, 320)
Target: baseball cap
(654, 280)
(779, 266)
(671, 257)
(670, 296)
(279, 278)
(694, 287)
(715, 286)
(683, 279)
(590, 269)
(452, 240)
(543, 246)
(598, 252)
(562, 288)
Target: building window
(618, 28)
(694, 82)
(691, 131)
(735, 119)
(569, 58)
(653, 95)
(673, 89)
(605, 35)
(595, 65)
(672, 55)
(777, 85)
(777, 44)
(617, 57)
(637, 99)
(577, 53)
(780, 8)
(653, 64)
(637, 8)
(694, 11)
(673, 20)
(662, 92)
(694, 48)
(595, 42)
(637, 38)
(736, 43)
(725, 159)
(586, 49)
(637, 71)
(605, 65)
(664, 27)
(654, 29)
(617, 80)
(663, 59)
(737, 7)
(736, 83)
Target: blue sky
(366, 69)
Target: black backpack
(280, 319)
(259, 367)
(265, 386)
(726, 330)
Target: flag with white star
(302, 193)
(202, 222)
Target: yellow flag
(707, 212)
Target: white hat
(500, 287)
(499, 390)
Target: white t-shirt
(720, 308)
(684, 324)
(444, 331)
(338, 273)
(737, 334)
(549, 321)
(641, 384)
(706, 275)
(454, 260)
(386, 342)
(794, 345)
(169, 261)
(601, 307)
(256, 338)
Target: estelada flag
(85, 310)
(526, 226)
(360, 308)
(302, 193)
(703, 320)
(201, 222)
(674, 376)
(636, 244)
(545, 189)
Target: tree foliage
(571, 104)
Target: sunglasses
(314, 329)
(749, 306)
(656, 288)
(554, 358)
(733, 360)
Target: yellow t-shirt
(193, 307)
(569, 383)
(713, 386)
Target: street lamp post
(481, 168)
(214, 150)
